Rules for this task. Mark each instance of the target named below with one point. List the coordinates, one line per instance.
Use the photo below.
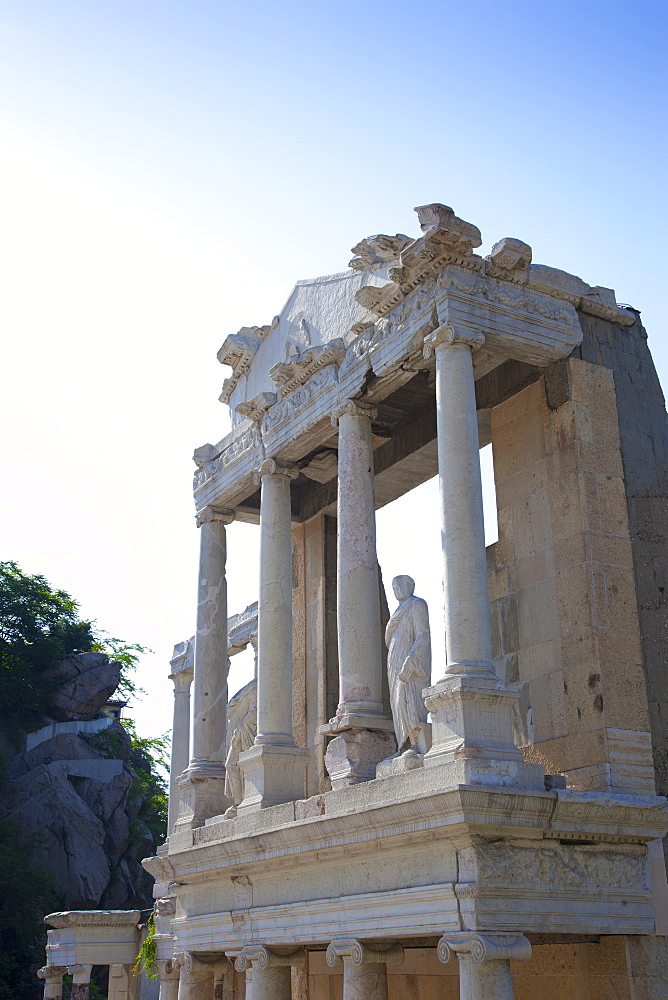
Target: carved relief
(291, 374)
(256, 407)
(377, 250)
(246, 441)
(318, 383)
(509, 259)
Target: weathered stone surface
(89, 680)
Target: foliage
(148, 953)
(39, 627)
(148, 758)
(26, 894)
(127, 654)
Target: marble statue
(408, 640)
(242, 723)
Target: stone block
(566, 510)
(569, 752)
(538, 618)
(539, 659)
(510, 451)
(625, 696)
(578, 647)
(583, 690)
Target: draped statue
(408, 640)
(242, 728)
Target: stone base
(400, 763)
(272, 774)
(201, 794)
(481, 771)
(354, 755)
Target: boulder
(89, 680)
(64, 746)
(70, 840)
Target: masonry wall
(562, 586)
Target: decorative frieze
(288, 375)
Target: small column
(53, 981)
(271, 972)
(484, 962)
(80, 981)
(202, 785)
(366, 734)
(274, 768)
(364, 967)
(181, 675)
(471, 708)
(168, 974)
(198, 974)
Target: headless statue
(242, 721)
(408, 640)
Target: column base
(272, 774)
(353, 755)
(201, 794)
(472, 731)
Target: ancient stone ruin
(512, 841)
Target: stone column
(202, 785)
(198, 974)
(366, 734)
(274, 768)
(484, 962)
(471, 709)
(168, 974)
(271, 972)
(53, 981)
(364, 967)
(180, 738)
(80, 981)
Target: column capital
(448, 335)
(182, 680)
(270, 467)
(354, 408)
(266, 958)
(214, 513)
(362, 954)
(201, 961)
(484, 947)
(51, 972)
(80, 973)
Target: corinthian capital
(270, 467)
(354, 408)
(213, 513)
(484, 947)
(448, 335)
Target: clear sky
(170, 169)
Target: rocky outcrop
(89, 680)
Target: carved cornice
(265, 958)
(362, 954)
(92, 918)
(213, 513)
(238, 351)
(377, 250)
(256, 408)
(270, 467)
(448, 335)
(484, 947)
(289, 375)
(509, 259)
(354, 408)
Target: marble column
(202, 786)
(271, 972)
(484, 962)
(53, 981)
(274, 768)
(366, 735)
(472, 710)
(80, 981)
(168, 975)
(364, 967)
(199, 973)
(182, 679)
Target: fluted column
(271, 972)
(180, 738)
(53, 981)
(471, 708)
(274, 768)
(202, 786)
(484, 962)
(364, 967)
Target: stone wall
(562, 588)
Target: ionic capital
(51, 972)
(213, 513)
(265, 958)
(190, 962)
(354, 408)
(484, 947)
(448, 335)
(361, 954)
(270, 467)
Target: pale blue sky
(171, 169)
